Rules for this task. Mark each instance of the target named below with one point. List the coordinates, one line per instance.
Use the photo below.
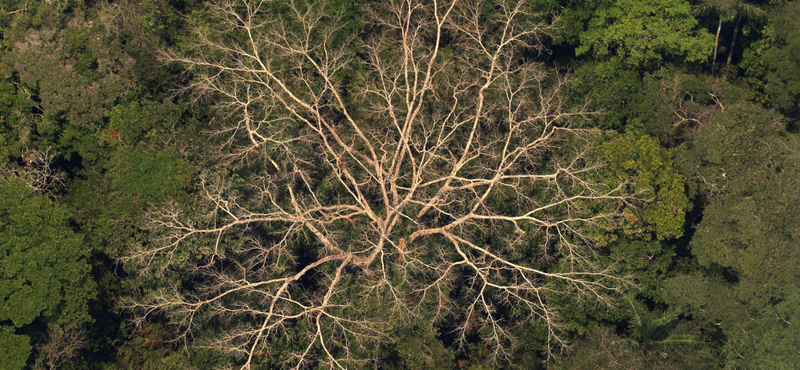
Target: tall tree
(727, 11)
(431, 171)
(742, 10)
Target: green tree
(655, 178)
(641, 248)
(745, 245)
(15, 349)
(80, 82)
(15, 117)
(727, 11)
(642, 34)
(773, 63)
(653, 332)
(419, 348)
(603, 349)
(44, 272)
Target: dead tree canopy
(401, 163)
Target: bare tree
(424, 168)
(39, 172)
(60, 346)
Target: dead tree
(60, 346)
(422, 154)
(39, 172)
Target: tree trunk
(733, 40)
(716, 47)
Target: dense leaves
(642, 34)
(655, 179)
(16, 349)
(45, 271)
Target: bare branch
(425, 155)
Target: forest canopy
(400, 184)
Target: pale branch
(393, 167)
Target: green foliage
(773, 64)
(45, 272)
(15, 349)
(150, 349)
(642, 252)
(642, 34)
(751, 222)
(664, 104)
(147, 177)
(134, 182)
(419, 348)
(612, 89)
(72, 77)
(745, 242)
(603, 349)
(774, 339)
(14, 130)
(140, 121)
(77, 45)
(157, 18)
(670, 104)
(646, 261)
(655, 178)
(754, 337)
(655, 331)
